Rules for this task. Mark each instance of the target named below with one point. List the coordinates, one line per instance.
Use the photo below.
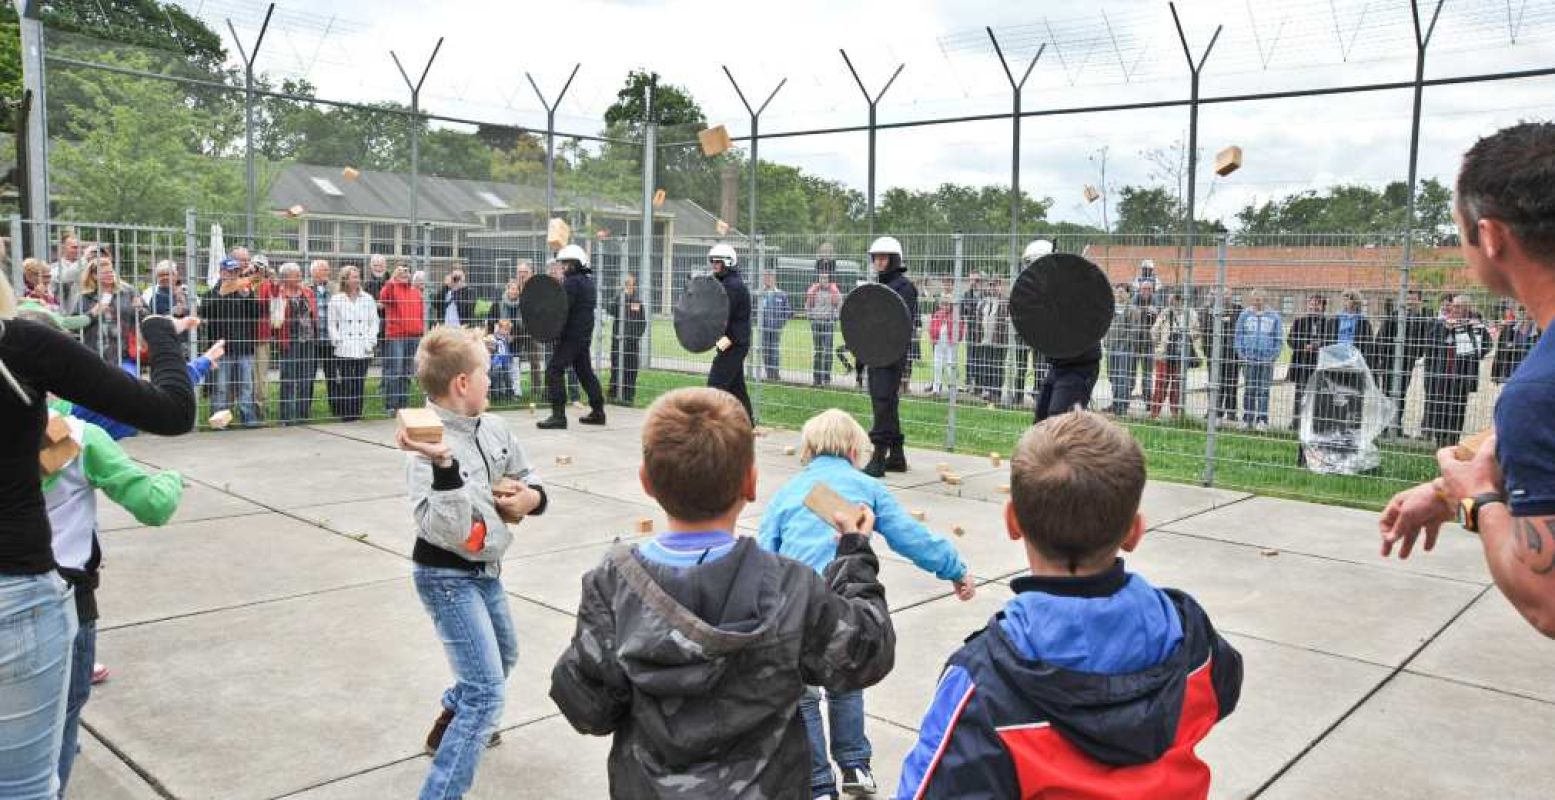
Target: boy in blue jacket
(1090, 682)
(831, 445)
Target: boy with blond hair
(461, 536)
(1090, 682)
(832, 446)
(694, 648)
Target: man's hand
(1425, 507)
(1478, 475)
(724, 343)
(863, 522)
(438, 453)
(965, 589)
(216, 351)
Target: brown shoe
(439, 727)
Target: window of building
(353, 237)
(321, 236)
(328, 187)
(381, 241)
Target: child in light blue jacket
(831, 444)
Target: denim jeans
(1255, 398)
(1120, 373)
(37, 626)
(399, 363)
(771, 345)
(236, 373)
(470, 612)
(299, 363)
(849, 746)
(83, 659)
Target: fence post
(759, 251)
(1217, 356)
(955, 329)
(17, 251)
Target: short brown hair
(697, 450)
(1075, 482)
(446, 353)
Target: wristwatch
(1469, 508)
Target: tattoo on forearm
(1534, 539)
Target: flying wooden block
(296, 211)
(1228, 161)
(788, 449)
(958, 530)
(645, 526)
(350, 173)
(658, 199)
(221, 419)
(919, 514)
(421, 425)
(1466, 449)
(995, 459)
(563, 461)
(714, 140)
(558, 233)
(1091, 195)
(722, 227)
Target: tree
(1155, 211)
(1354, 209)
(672, 105)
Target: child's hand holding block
(421, 425)
(503, 489)
(826, 504)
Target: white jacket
(353, 324)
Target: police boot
(895, 459)
(876, 466)
(594, 417)
(556, 422)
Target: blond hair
(832, 432)
(1075, 482)
(444, 354)
(7, 298)
(697, 450)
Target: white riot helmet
(1037, 249)
(887, 246)
(724, 253)
(573, 252)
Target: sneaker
(99, 673)
(857, 781)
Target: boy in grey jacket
(462, 531)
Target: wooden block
(221, 419)
(296, 211)
(350, 173)
(952, 478)
(920, 515)
(1228, 160)
(1003, 488)
(714, 140)
(658, 199)
(995, 459)
(531, 409)
(1268, 553)
(563, 461)
(1091, 195)
(788, 449)
(958, 530)
(827, 504)
(58, 449)
(421, 425)
(58, 430)
(558, 233)
(1466, 449)
(722, 227)
(645, 526)
(942, 467)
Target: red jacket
(940, 328)
(403, 311)
(267, 290)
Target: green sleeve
(151, 499)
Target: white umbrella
(218, 252)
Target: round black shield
(1061, 305)
(701, 314)
(544, 308)
(876, 325)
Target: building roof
(385, 196)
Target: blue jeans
(1255, 398)
(849, 746)
(399, 363)
(471, 615)
(37, 625)
(771, 344)
(236, 372)
(82, 660)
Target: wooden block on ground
(563, 461)
(920, 515)
(1228, 160)
(1003, 488)
(645, 525)
(951, 478)
(958, 530)
(421, 425)
(995, 459)
(788, 449)
(350, 173)
(221, 419)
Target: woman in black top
(37, 615)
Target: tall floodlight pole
(251, 180)
(415, 146)
(550, 137)
(755, 115)
(1015, 92)
(874, 102)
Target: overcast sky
(1119, 51)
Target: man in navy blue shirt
(1506, 492)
